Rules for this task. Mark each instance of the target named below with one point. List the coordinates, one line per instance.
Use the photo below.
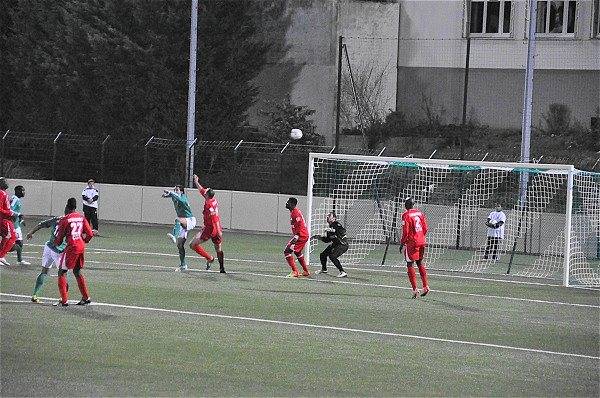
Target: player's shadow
(2, 302)
(304, 292)
(153, 270)
(451, 306)
(20, 269)
(214, 276)
(87, 312)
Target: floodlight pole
(339, 93)
(528, 97)
(191, 117)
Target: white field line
(335, 328)
(346, 282)
(475, 278)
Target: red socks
(83, 287)
(200, 250)
(423, 273)
(412, 276)
(62, 288)
(302, 261)
(290, 260)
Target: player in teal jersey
(184, 222)
(17, 207)
(51, 253)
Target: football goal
(552, 228)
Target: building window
(490, 17)
(556, 17)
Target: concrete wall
(131, 203)
(259, 212)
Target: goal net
(552, 227)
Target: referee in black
(336, 234)
(90, 204)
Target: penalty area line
(333, 328)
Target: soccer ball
(296, 134)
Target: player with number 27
(78, 232)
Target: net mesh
(368, 196)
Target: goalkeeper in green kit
(184, 222)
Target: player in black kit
(336, 234)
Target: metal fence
(241, 165)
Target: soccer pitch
(252, 332)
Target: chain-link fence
(241, 165)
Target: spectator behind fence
(90, 204)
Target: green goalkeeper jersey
(182, 206)
(16, 206)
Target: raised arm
(201, 189)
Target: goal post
(552, 230)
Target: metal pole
(54, 151)
(528, 96)
(3, 153)
(467, 59)
(103, 157)
(146, 160)
(191, 150)
(191, 117)
(339, 93)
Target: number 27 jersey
(73, 226)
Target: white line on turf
(394, 271)
(326, 327)
(345, 282)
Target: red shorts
(413, 253)
(213, 233)
(70, 260)
(298, 246)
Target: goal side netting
(552, 228)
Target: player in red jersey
(412, 244)
(78, 232)
(7, 227)
(296, 244)
(212, 228)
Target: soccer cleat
(172, 237)
(425, 291)
(293, 274)
(84, 301)
(4, 262)
(321, 271)
(415, 293)
(23, 262)
(342, 274)
(209, 263)
(60, 304)
(306, 273)
(181, 268)
(222, 270)
(35, 299)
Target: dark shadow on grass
(3, 302)
(136, 269)
(452, 306)
(20, 268)
(86, 312)
(304, 292)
